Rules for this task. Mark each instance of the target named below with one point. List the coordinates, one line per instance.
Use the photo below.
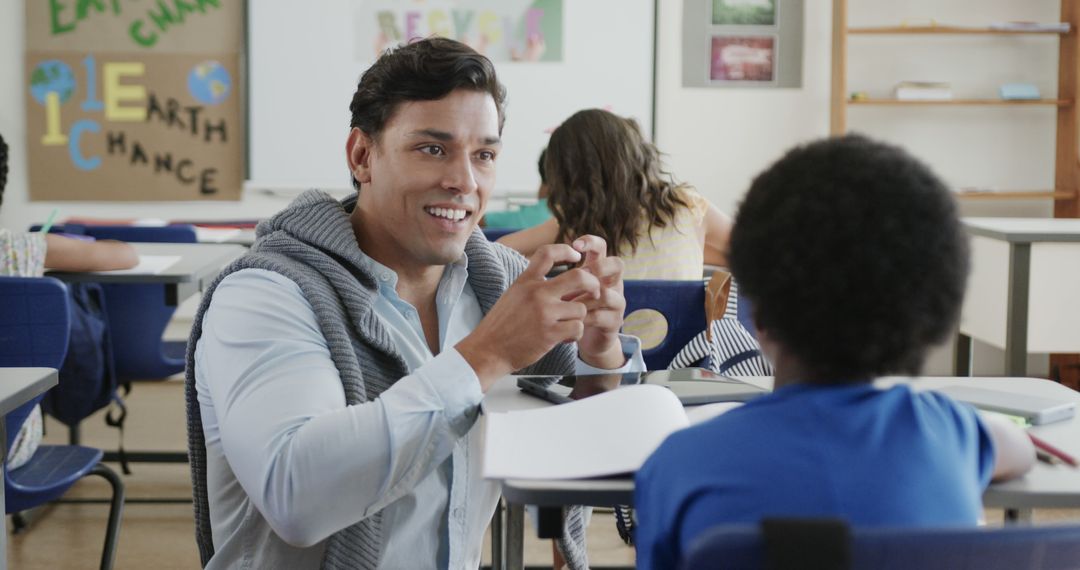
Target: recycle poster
(134, 100)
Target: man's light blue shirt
(266, 382)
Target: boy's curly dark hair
(853, 258)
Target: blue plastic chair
(681, 305)
(138, 314)
(744, 547)
(34, 328)
(495, 233)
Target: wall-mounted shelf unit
(1066, 168)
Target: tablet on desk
(693, 386)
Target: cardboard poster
(134, 101)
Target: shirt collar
(388, 278)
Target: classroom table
(1022, 294)
(1045, 486)
(17, 387)
(199, 263)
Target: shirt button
(459, 513)
(384, 276)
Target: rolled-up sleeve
(311, 464)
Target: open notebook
(608, 434)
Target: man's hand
(599, 344)
(533, 316)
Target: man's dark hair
(853, 258)
(425, 70)
(3, 167)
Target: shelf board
(946, 30)
(1016, 195)
(992, 102)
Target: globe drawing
(52, 76)
(209, 83)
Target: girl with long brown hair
(605, 179)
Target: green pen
(49, 222)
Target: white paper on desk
(215, 235)
(606, 434)
(704, 413)
(148, 265)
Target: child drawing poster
(503, 30)
(134, 101)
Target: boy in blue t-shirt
(855, 262)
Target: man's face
(425, 182)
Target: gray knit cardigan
(311, 242)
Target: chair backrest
(665, 315)
(138, 314)
(1028, 547)
(34, 328)
(179, 233)
(495, 233)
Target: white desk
(1024, 290)
(1045, 486)
(198, 265)
(17, 387)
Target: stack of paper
(923, 91)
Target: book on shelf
(923, 91)
(608, 434)
(1062, 27)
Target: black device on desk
(693, 386)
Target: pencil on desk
(49, 222)
(1042, 445)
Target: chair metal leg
(498, 540)
(112, 533)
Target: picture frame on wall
(750, 59)
(744, 12)
(742, 43)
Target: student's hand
(599, 345)
(532, 316)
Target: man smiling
(335, 371)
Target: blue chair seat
(54, 469)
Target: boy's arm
(1014, 454)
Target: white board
(302, 74)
